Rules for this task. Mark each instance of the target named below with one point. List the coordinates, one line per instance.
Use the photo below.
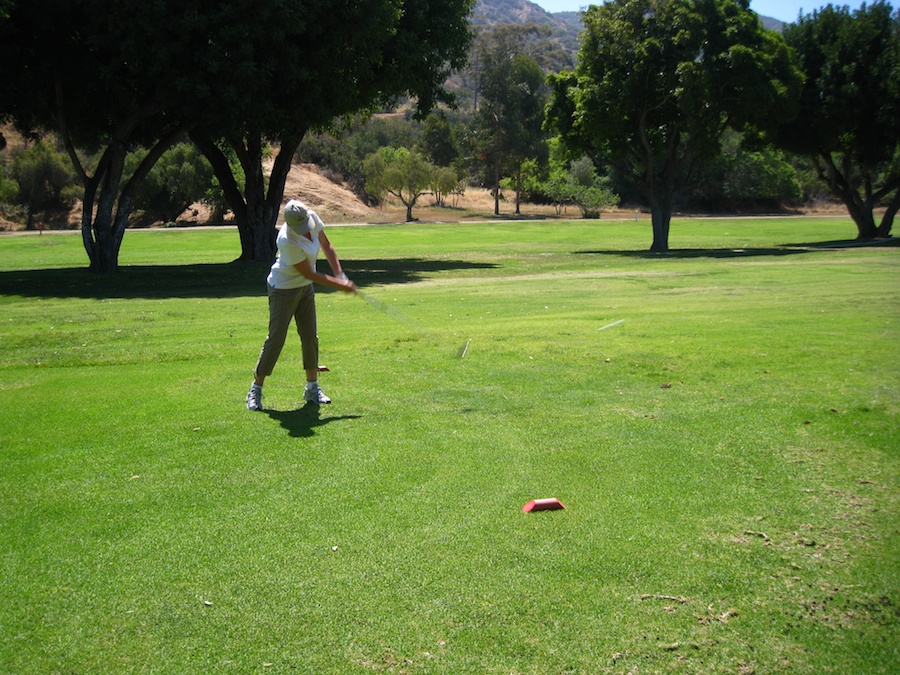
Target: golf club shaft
(391, 311)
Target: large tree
(659, 81)
(511, 109)
(849, 119)
(298, 64)
(104, 76)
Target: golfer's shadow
(301, 422)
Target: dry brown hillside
(338, 204)
(331, 201)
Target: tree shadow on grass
(730, 253)
(301, 422)
(215, 280)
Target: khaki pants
(298, 304)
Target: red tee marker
(543, 505)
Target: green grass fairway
(721, 423)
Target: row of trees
(687, 100)
(669, 98)
(659, 84)
(237, 77)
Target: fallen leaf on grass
(650, 596)
(674, 646)
(727, 615)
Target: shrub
(589, 190)
(181, 177)
(9, 189)
(45, 179)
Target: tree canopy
(849, 119)
(659, 81)
(401, 172)
(238, 75)
(303, 64)
(107, 77)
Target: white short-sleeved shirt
(294, 248)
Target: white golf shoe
(315, 395)
(254, 399)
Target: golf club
(392, 312)
(402, 318)
(614, 323)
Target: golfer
(292, 296)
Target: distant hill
(571, 19)
(772, 24)
(565, 25)
(554, 52)
(489, 12)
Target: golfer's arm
(330, 255)
(306, 269)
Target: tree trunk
(256, 210)
(497, 186)
(887, 220)
(518, 189)
(259, 224)
(105, 217)
(861, 209)
(865, 222)
(87, 211)
(104, 251)
(660, 218)
(96, 213)
(661, 194)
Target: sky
(783, 10)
